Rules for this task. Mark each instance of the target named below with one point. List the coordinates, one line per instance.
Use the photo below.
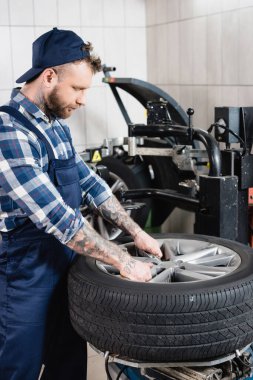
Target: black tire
(135, 176)
(165, 177)
(155, 322)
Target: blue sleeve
(95, 189)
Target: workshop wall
(201, 53)
(117, 29)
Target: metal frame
(135, 364)
(143, 92)
(223, 194)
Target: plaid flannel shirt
(25, 187)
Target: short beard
(53, 105)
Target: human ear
(50, 77)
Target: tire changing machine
(237, 366)
(219, 199)
(222, 194)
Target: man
(42, 184)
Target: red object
(250, 202)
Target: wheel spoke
(197, 255)
(168, 253)
(182, 275)
(210, 271)
(164, 276)
(223, 259)
(108, 268)
(118, 184)
(102, 228)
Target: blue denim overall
(34, 320)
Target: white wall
(205, 53)
(117, 29)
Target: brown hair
(93, 60)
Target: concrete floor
(96, 366)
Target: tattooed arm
(88, 242)
(112, 211)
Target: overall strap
(29, 125)
(67, 133)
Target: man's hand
(145, 242)
(112, 211)
(136, 270)
(88, 242)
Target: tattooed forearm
(89, 243)
(112, 211)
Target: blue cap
(54, 48)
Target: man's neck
(35, 96)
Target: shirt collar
(29, 106)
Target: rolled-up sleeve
(23, 180)
(94, 188)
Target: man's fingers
(147, 243)
(136, 271)
(156, 252)
(159, 253)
